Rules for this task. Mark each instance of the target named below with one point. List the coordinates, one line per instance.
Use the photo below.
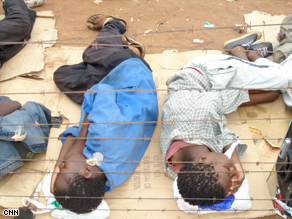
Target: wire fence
(74, 41)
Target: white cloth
(101, 212)
(287, 94)
(241, 198)
(226, 71)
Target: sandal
(99, 25)
(138, 45)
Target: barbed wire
(163, 210)
(190, 30)
(140, 198)
(151, 122)
(143, 90)
(51, 160)
(269, 119)
(102, 138)
(148, 172)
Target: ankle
(135, 50)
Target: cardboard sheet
(152, 190)
(148, 192)
(268, 156)
(22, 183)
(272, 119)
(31, 59)
(261, 18)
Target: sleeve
(103, 110)
(101, 106)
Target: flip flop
(99, 24)
(140, 46)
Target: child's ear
(87, 172)
(202, 159)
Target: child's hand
(236, 178)
(54, 176)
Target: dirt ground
(178, 17)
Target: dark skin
(230, 171)
(8, 107)
(75, 160)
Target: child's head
(207, 178)
(76, 187)
(87, 191)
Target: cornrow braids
(201, 184)
(78, 186)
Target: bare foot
(133, 48)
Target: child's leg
(242, 53)
(72, 78)
(16, 24)
(15, 27)
(253, 55)
(8, 151)
(109, 35)
(239, 52)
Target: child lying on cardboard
(193, 146)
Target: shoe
(33, 3)
(244, 41)
(101, 20)
(140, 46)
(266, 48)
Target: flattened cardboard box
(148, 192)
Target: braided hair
(78, 186)
(203, 183)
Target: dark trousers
(15, 27)
(97, 62)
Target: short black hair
(200, 184)
(78, 186)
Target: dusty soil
(178, 17)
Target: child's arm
(237, 175)
(258, 96)
(8, 107)
(70, 145)
(67, 145)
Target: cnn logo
(11, 212)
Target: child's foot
(97, 21)
(266, 48)
(134, 45)
(244, 41)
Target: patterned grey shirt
(185, 107)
